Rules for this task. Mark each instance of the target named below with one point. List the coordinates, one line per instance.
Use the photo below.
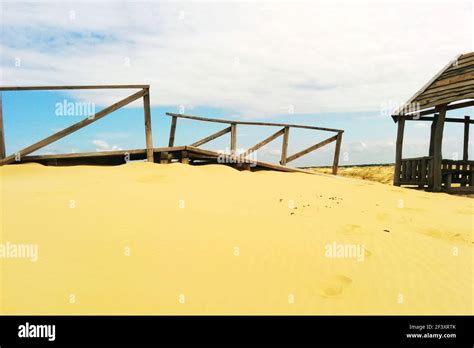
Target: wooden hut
(452, 88)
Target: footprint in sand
(367, 253)
(334, 286)
(351, 230)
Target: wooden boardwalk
(183, 154)
(190, 153)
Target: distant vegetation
(379, 173)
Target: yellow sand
(236, 246)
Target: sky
(336, 64)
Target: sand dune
(176, 239)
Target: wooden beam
(398, 151)
(447, 100)
(216, 120)
(213, 154)
(233, 138)
(284, 146)
(337, 152)
(434, 110)
(465, 152)
(264, 142)
(148, 131)
(211, 137)
(437, 148)
(446, 120)
(81, 124)
(172, 131)
(312, 148)
(2, 131)
(52, 88)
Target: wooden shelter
(185, 153)
(452, 88)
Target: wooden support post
(433, 127)
(174, 119)
(465, 152)
(448, 180)
(164, 157)
(337, 152)
(399, 150)
(284, 146)
(148, 132)
(2, 132)
(423, 171)
(184, 157)
(233, 138)
(437, 148)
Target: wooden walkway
(182, 154)
(190, 153)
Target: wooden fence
(144, 92)
(163, 155)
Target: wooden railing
(144, 92)
(419, 171)
(457, 172)
(284, 131)
(416, 171)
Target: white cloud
(102, 145)
(252, 58)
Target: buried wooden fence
(144, 92)
(151, 154)
(284, 131)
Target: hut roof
(454, 82)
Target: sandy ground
(176, 239)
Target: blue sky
(336, 64)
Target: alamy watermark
(345, 251)
(238, 156)
(19, 251)
(69, 108)
(390, 107)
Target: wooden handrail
(52, 88)
(417, 158)
(285, 132)
(218, 120)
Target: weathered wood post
(284, 146)
(437, 148)
(433, 127)
(148, 133)
(184, 157)
(399, 150)
(174, 119)
(233, 138)
(337, 152)
(2, 131)
(465, 152)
